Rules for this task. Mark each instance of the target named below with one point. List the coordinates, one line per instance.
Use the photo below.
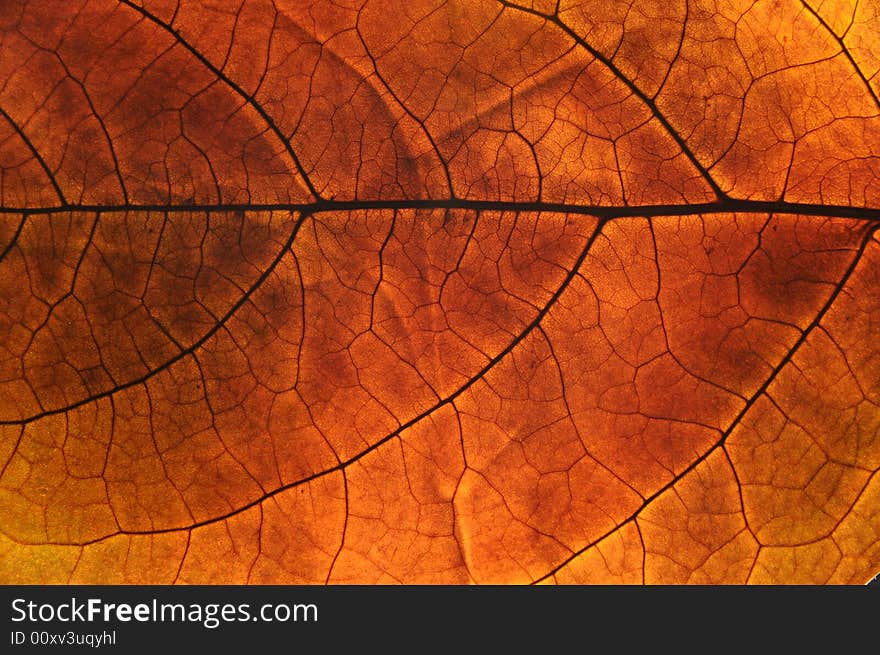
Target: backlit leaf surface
(439, 292)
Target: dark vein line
(36, 154)
(14, 239)
(739, 417)
(232, 85)
(729, 205)
(555, 20)
(220, 324)
(375, 64)
(845, 51)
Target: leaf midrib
(868, 214)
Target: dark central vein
(868, 214)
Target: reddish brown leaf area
(439, 292)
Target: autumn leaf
(439, 292)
